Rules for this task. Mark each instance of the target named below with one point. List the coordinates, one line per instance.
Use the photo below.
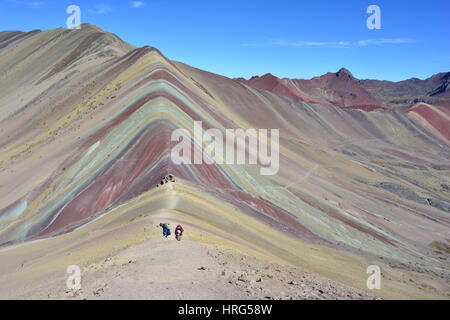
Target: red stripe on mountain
(435, 119)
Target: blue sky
(288, 38)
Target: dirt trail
(129, 259)
(167, 269)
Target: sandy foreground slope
(166, 269)
(125, 257)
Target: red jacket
(180, 228)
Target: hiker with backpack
(165, 228)
(179, 232)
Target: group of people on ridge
(166, 230)
(166, 179)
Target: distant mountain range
(434, 90)
(345, 91)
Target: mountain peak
(92, 26)
(343, 72)
(266, 76)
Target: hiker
(179, 232)
(166, 229)
(166, 179)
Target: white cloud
(384, 41)
(288, 43)
(335, 44)
(100, 9)
(28, 3)
(137, 4)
